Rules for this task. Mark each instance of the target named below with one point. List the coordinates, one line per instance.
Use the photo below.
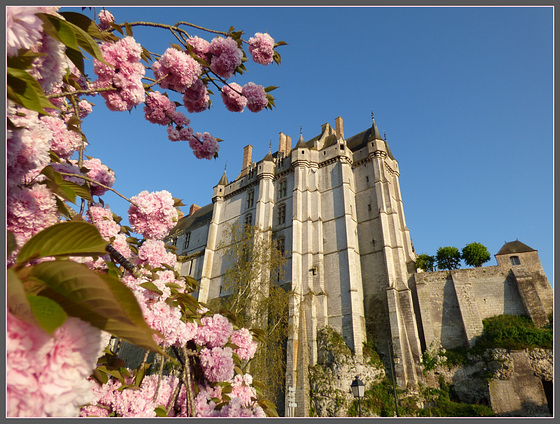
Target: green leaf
(85, 23)
(23, 60)
(77, 58)
(63, 239)
(103, 301)
(66, 189)
(148, 285)
(128, 29)
(24, 90)
(16, 298)
(270, 88)
(280, 43)
(48, 313)
(59, 30)
(160, 411)
(176, 47)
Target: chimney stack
(247, 153)
(193, 209)
(282, 143)
(288, 144)
(339, 128)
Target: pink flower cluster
(256, 97)
(134, 403)
(215, 331)
(125, 74)
(64, 141)
(102, 218)
(217, 363)
(46, 376)
(105, 19)
(201, 48)
(49, 69)
(99, 173)
(23, 28)
(232, 97)
(204, 146)
(205, 401)
(154, 254)
(160, 110)
(247, 346)
(261, 47)
(196, 98)
(152, 215)
(227, 56)
(29, 211)
(69, 168)
(176, 70)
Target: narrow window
(367, 179)
(250, 198)
(281, 245)
(282, 214)
(369, 208)
(282, 189)
(248, 220)
(187, 239)
(515, 260)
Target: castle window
(367, 179)
(282, 214)
(281, 245)
(248, 220)
(250, 198)
(282, 188)
(369, 207)
(187, 239)
(515, 260)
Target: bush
(513, 332)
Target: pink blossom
(183, 70)
(64, 142)
(158, 108)
(46, 376)
(49, 69)
(102, 218)
(196, 98)
(247, 347)
(242, 389)
(27, 148)
(214, 331)
(85, 108)
(121, 245)
(23, 28)
(167, 320)
(256, 97)
(227, 56)
(29, 211)
(200, 47)
(105, 19)
(125, 74)
(153, 214)
(232, 98)
(217, 363)
(154, 254)
(99, 173)
(261, 47)
(204, 146)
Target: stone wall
(452, 304)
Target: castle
(334, 205)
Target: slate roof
(187, 223)
(514, 247)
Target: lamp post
(358, 389)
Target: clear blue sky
(464, 94)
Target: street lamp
(358, 389)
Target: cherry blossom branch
(134, 270)
(88, 91)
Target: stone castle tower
(334, 205)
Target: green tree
(448, 257)
(251, 293)
(475, 254)
(425, 262)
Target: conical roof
(514, 247)
(301, 142)
(223, 180)
(374, 131)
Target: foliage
(425, 262)
(370, 352)
(448, 257)
(512, 332)
(475, 254)
(433, 356)
(73, 269)
(457, 356)
(254, 269)
(440, 404)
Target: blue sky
(464, 94)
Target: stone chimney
(282, 143)
(339, 128)
(193, 209)
(247, 153)
(288, 144)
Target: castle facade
(334, 206)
